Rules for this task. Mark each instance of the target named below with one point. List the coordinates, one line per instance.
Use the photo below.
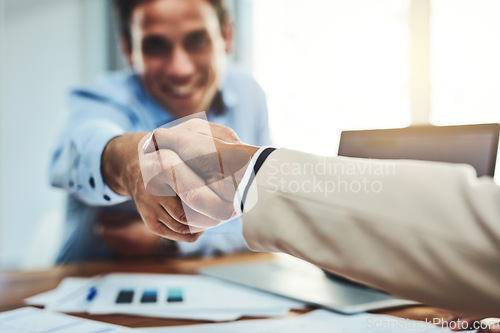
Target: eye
(154, 46)
(197, 41)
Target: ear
(227, 34)
(126, 49)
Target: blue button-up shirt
(116, 104)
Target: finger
(225, 188)
(183, 214)
(173, 206)
(197, 151)
(194, 192)
(159, 222)
(201, 199)
(188, 185)
(224, 133)
(160, 229)
(155, 170)
(201, 152)
(178, 139)
(176, 226)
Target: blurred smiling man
(178, 47)
(176, 51)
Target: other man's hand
(162, 215)
(212, 162)
(176, 202)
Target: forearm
(429, 234)
(120, 162)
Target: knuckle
(178, 213)
(231, 133)
(159, 131)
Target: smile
(182, 91)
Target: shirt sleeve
(253, 168)
(76, 161)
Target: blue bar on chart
(149, 296)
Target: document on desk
(186, 297)
(33, 320)
(319, 321)
(70, 296)
(162, 295)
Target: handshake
(190, 175)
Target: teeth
(182, 91)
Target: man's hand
(212, 162)
(162, 215)
(176, 202)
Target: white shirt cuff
(247, 177)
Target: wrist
(120, 163)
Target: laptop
(476, 145)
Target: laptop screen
(476, 145)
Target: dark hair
(125, 8)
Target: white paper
(237, 326)
(208, 315)
(204, 298)
(32, 320)
(70, 295)
(66, 286)
(319, 321)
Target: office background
(325, 65)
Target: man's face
(178, 49)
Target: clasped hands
(189, 177)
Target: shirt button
(107, 198)
(92, 182)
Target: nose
(180, 64)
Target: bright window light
(465, 61)
(329, 65)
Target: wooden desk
(16, 286)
